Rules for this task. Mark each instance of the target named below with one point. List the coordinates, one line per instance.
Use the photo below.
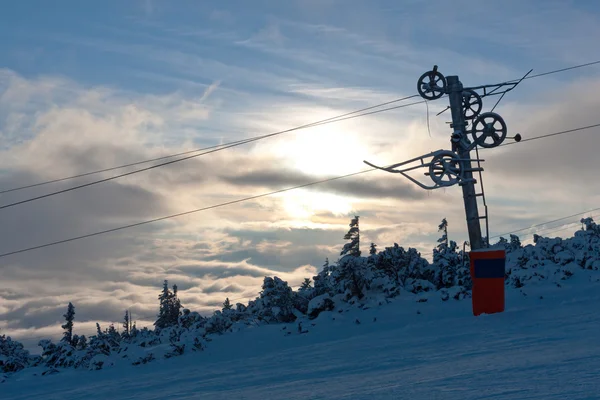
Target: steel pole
(460, 144)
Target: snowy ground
(538, 349)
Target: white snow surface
(544, 346)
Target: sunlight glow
(304, 204)
(325, 151)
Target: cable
(322, 122)
(545, 223)
(183, 213)
(551, 134)
(337, 119)
(239, 201)
(561, 70)
(111, 169)
(244, 141)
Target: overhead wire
(182, 213)
(205, 209)
(337, 118)
(242, 141)
(560, 70)
(552, 134)
(546, 223)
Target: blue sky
(85, 86)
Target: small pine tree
(515, 242)
(443, 227)
(306, 285)
(227, 305)
(353, 247)
(373, 249)
(126, 324)
(68, 326)
(174, 307)
(163, 310)
(321, 280)
(169, 307)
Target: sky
(88, 86)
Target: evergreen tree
(227, 305)
(276, 303)
(169, 308)
(13, 356)
(444, 239)
(163, 311)
(305, 285)
(68, 326)
(373, 249)
(126, 324)
(174, 307)
(353, 247)
(446, 258)
(515, 242)
(321, 280)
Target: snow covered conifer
(446, 258)
(443, 227)
(227, 304)
(169, 307)
(305, 285)
(321, 280)
(126, 324)
(353, 247)
(174, 307)
(373, 249)
(276, 301)
(13, 356)
(68, 326)
(163, 310)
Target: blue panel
(493, 268)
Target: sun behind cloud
(303, 204)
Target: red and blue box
(487, 273)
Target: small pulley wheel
(431, 85)
(445, 169)
(471, 104)
(489, 130)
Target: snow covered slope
(544, 346)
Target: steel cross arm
(423, 164)
(497, 86)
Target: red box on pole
(487, 273)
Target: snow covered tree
(68, 326)
(321, 280)
(275, 303)
(352, 276)
(446, 258)
(515, 242)
(80, 342)
(169, 307)
(113, 337)
(502, 242)
(373, 249)
(590, 226)
(126, 324)
(13, 356)
(175, 308)
(353, 247)
(163, 310)
(219, 323)
(306, 285)
(443, 227)
(227, 304)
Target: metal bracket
(445, 168)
